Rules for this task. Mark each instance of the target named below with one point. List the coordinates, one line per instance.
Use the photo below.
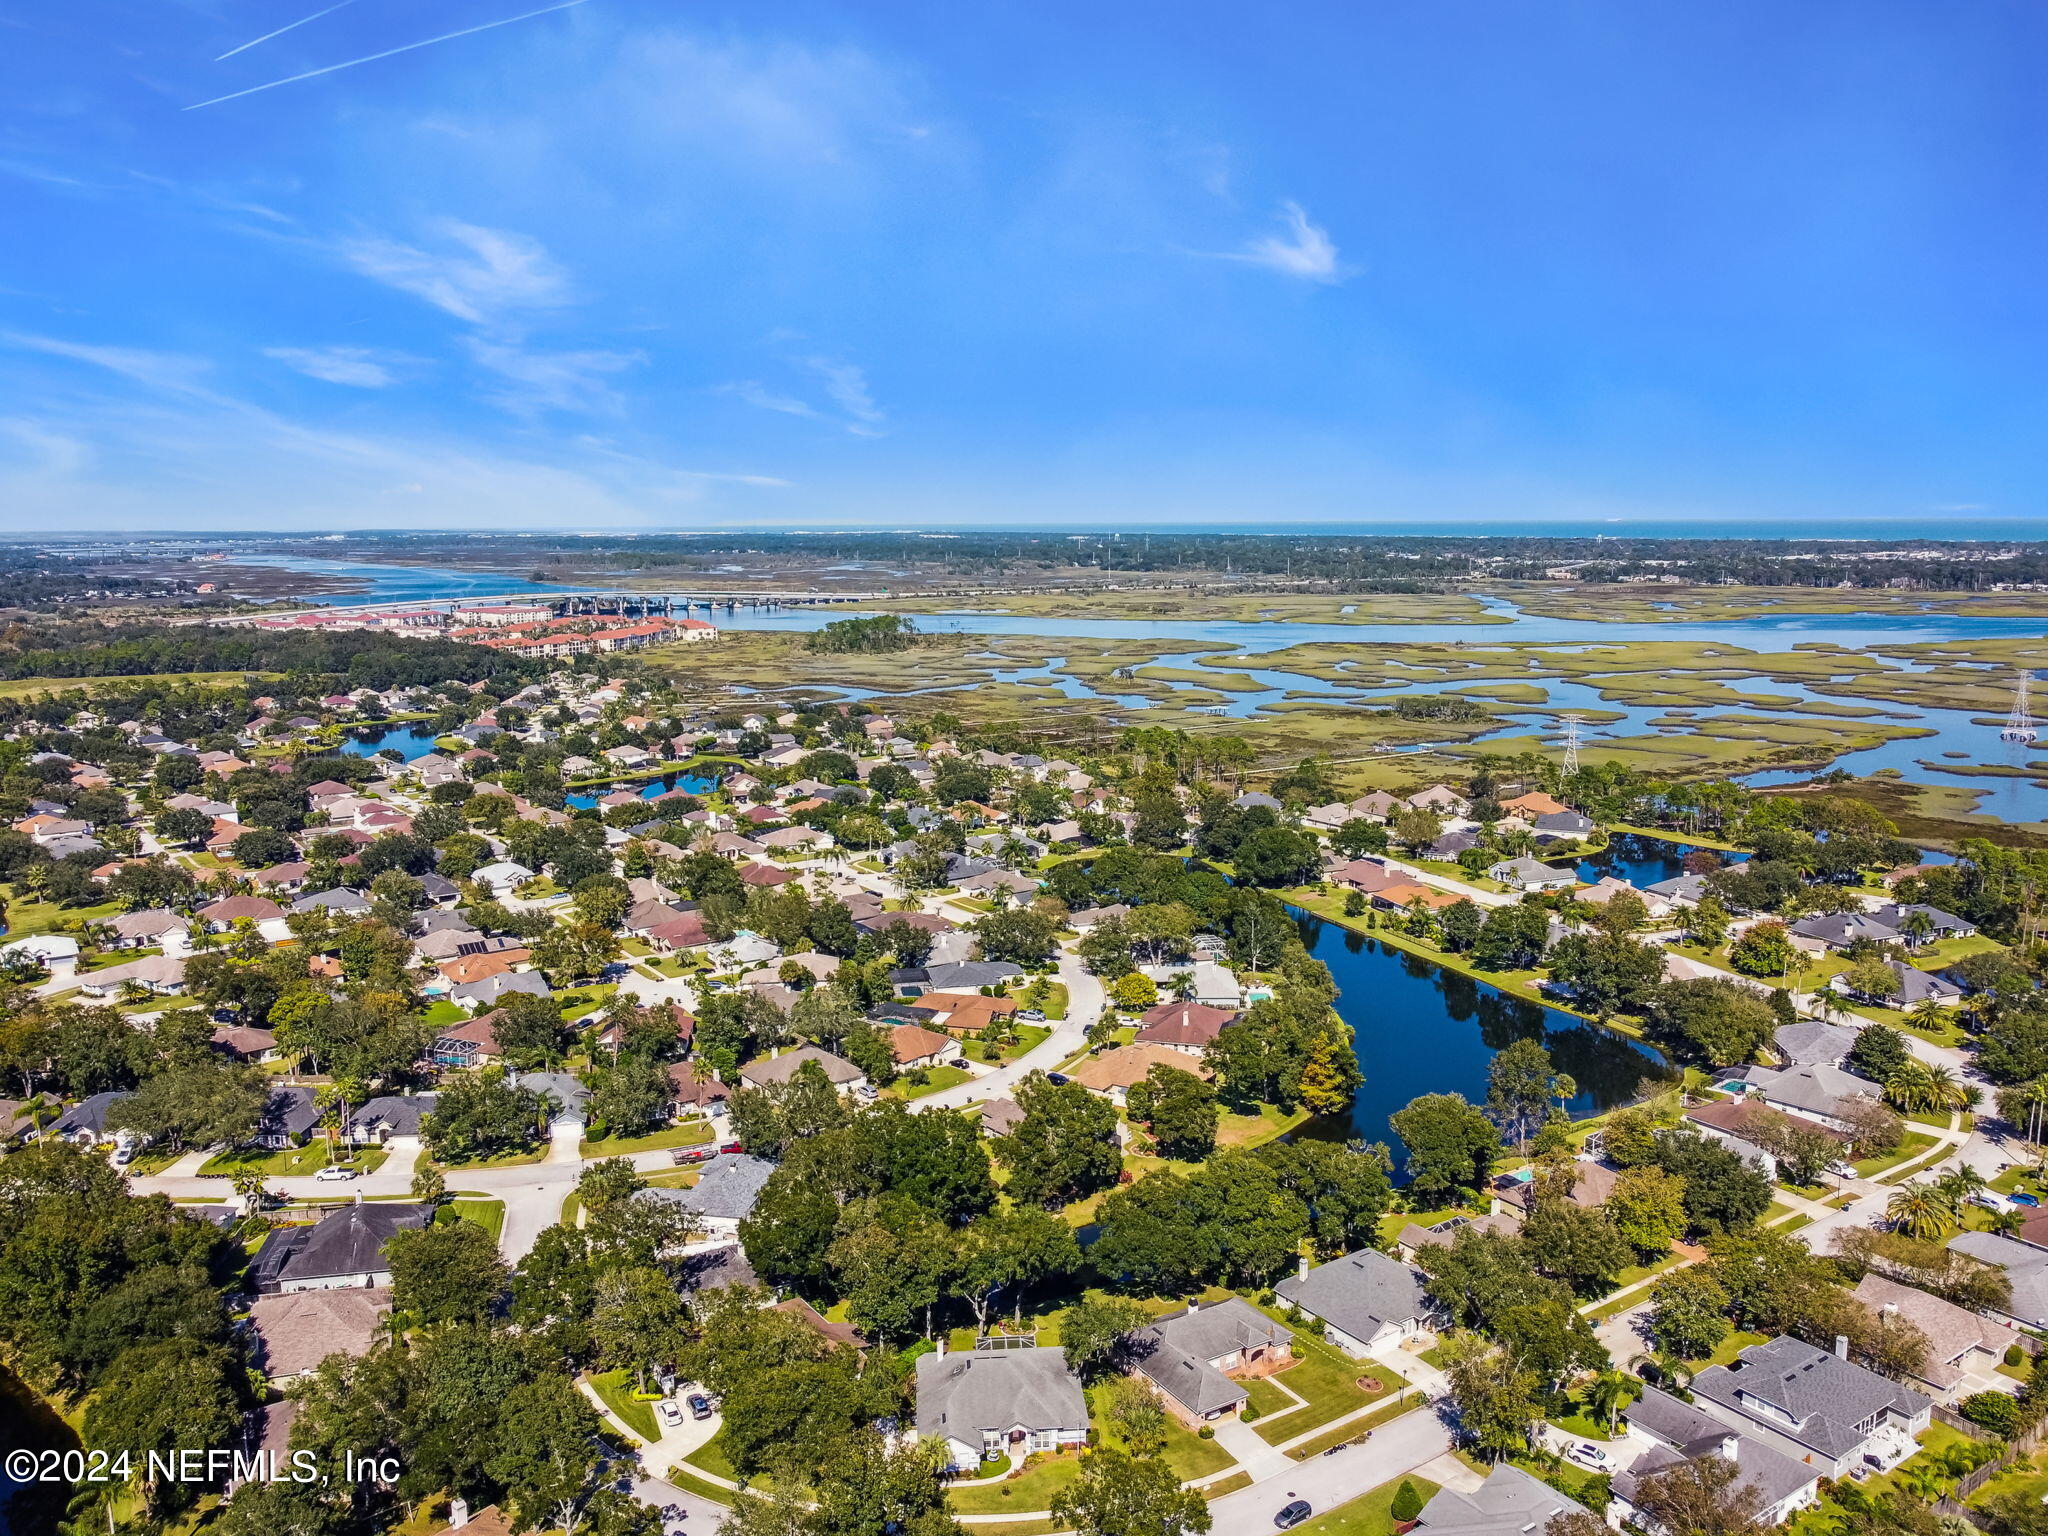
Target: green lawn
(291, 1162)
(1402, 1402)
(710, 1457)
(935, 1078)
(1327, 1380)
(516, 1159)
(1049, 997)
(1732, 1346)
(1189, 1455)
(1916, 1142)
(444, 1013)
(488, 1214)
(1370, 1514)
(690, 1133)
(616, 1388)
(1028, 1491)
(28, 915)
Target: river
(1958, 739)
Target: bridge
(572, 604)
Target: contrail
(280, 32)
(387, 53)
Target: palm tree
(1918, 927)
(1829, 1004)
(1959, 1183)
(1609, 1393)
(1928, 1015)
(1919, 1210)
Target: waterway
(1419, 1028)
(1958, 740)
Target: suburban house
(914, 1047)
(1732, 1122)
(389, 1116)
(1509, 1503)
(1963, 1348)
(161, 974)
(1113, 1072)
(1413, 1238)
(1365, 1301)
(1816, 1092)
(85, 1123)
(1812, 1044)
(983, 1404)
(489, 991)
(772, 1071)
(1188, 1357)
(698, 1090)
(1679, 1432)
(1527, 874)
(288, 1114)
(1184, 1027)
(344, 1249)
(1592, 1183)
(470, 1044)
(723, 1195)
(296, 1330)
(2025, 1266)
(1815, 1406)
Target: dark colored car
(1057, 1079)
(733, 1146)
(695, 1154)
(1292, 1515)
(700, 1406)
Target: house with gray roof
(2025, 1266)
(571, 1098)
(389, 1115)
(489, 991)
(724, 1193)
(1187, 1357)
(1811, 1044)
(288, 1114)
(297, 1330)
(344, 1249)
(1814, 1406)
(86, 1121)
(1365, 1301)
(1963, 1347)
(1509, 1503)
(1527, 874)
(983, 1404)
(1816, 1091)
(770, 1071)
(1680, 1432)
(1837, 930)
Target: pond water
(407, 741)
(1419, 1028)
(30, 1509)
(688, 783)
(1958, 735)
(1642, 861)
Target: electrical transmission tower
(2019, 725)
(1571, 745)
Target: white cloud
(552, 381)
(845, 385)
(158, 370)
(1304, 251)
(848, 387)
(358, 367)
(478, 274)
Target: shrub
(1997, 1412)
(1206, 1432)
(1407, 1503)
(2014, 1354)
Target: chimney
(941, 1342)
(1301, 1266)
(458, 1512)
(1841, 1346)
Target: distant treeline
(1350, 561)
(365, 660)
(884, 632)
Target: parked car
(1590, 1456)
(1030, 1016)
(1292, 1515)
(669, 1412)
(1841, 1170)
(695, 1154)
(700, 1406)
(733, 1146)
(1057, 1079)
(124, 1154)
(333, 1175)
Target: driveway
(1396, 1449)
(1085, 1001)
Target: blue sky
(678, 264)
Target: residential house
(1509, 1503)
(1112, 1073)
(999, 1117)
(1562, 826)
(1527, 874)
(344, 1249)
(1211, 984)
(1814, 1406)
(85, 1123)
(1534, 804)
(724, 1194)
(1188, 1358)
(489, 991)
(1837, 930)
(1680, 1432)
(296, 1330)
(470, 1044)
(1365, 1301)
(2025, 1266)
(1811, 1044)
(985, 1404)
(391, 1117)
(503, 877)
(1442, 800)
(1592, 1183)
(1911, 986)
(161, 974)
(288, 1114)
(1733, 1123)
(1941, 925)
(1817, 1092)
(915, 1048)
(1963, 1348)
(769, 1071)
(220, 915)
(698, 1090)
(1184, 1027)
(152, 928)
(1413, 1238)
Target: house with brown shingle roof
(913, 1046)
(1184, 1027)
(1114, 1071)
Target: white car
(1590, 1456)
(670, 1412)
(333, 1175)
(1841, 1170)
